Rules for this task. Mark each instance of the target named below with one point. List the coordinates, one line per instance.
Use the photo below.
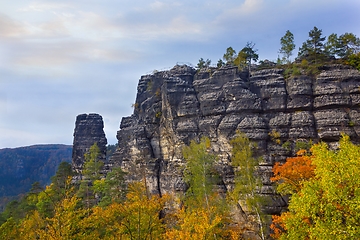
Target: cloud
(62, 58)
(43, 7)
(60, 53)
(10, 28)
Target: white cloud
(10, 28)
(68, 57)
(43, 7)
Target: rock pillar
(89, 129)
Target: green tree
(313, 48)
(199, 172)
(327, 206)
(203, 64)
(354, 60)
(241, 61)
(18, 209)
(112, 188)
(60, 179)
(204, 214)
(247, 54)
(349, 45)
(220, 63)
(229, 56)
(332, 46)
(56, 191)
(287, 45)
(110, 150)
(90, 173)
(247, 180)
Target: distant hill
(21, 167)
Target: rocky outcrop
(173, 107)
(89, 129)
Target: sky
(62, 58)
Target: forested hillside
(21, 167)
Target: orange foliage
(278, 225)
(292, 173)
(290, 177)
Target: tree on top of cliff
(230, 55)
(343, 46)
(246, 55)
(203, 64)
(313, 48)
(287, 45)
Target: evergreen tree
(220, 63)
(246, 55)
(112, 188)
(287, 45)
(203, 64)
(349, 45)
(313, 48)
(332, 46)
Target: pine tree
(313, 48)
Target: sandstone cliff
(89, 129)
(173, 107)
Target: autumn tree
(290, 178)
(247, 180)
(204, 214)
(56, 191)
(291, 175)
(287, 45)
(313, 48)
(326, 207)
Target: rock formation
(89, 129)
(173, 107)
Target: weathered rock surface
(89, 129)
(173, 107)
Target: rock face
(173, 107)
(88, 130)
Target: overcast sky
(61, 58)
